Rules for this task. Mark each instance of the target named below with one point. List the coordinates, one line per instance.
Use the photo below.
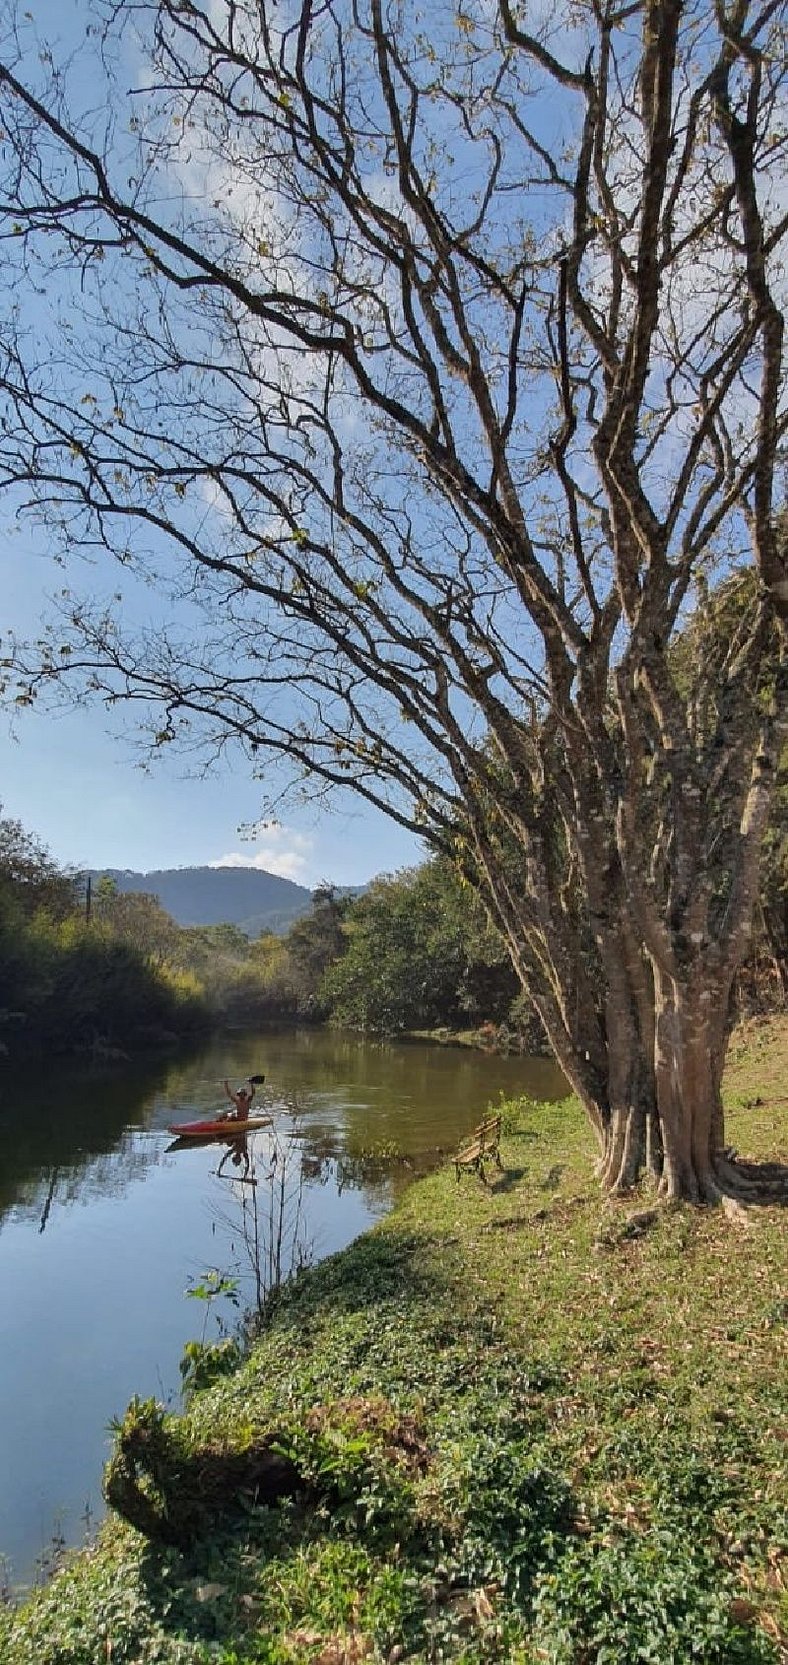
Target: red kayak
(224, 1128)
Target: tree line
(69, 984)
(116, 972)
(414, 952)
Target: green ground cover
(527, 1430)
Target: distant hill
(244, 896)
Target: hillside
(245, 896)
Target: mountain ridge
(249, 897)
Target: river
(105, 1227)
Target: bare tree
(432, 361)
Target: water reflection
(264, 1212)
(104, 1226)
(62, 1130)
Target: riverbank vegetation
(71, 984)
(512, 1424)
(413, 952)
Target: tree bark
(688, 1093)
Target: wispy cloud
(278, 850)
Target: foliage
(123, 973)
(30, 881)
(419, 953)
(137, 919)
(653, 1597)
(203, 1362)
(413, 951)
(76, 985)
(315, 942)
(272, 979)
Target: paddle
(256, 1080)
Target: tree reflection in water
(264, 1216)
(69, 1134)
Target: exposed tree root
(737, 1213)
(725, 1177)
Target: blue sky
(75, 777)
(82, 791)
(80, 788)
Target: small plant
(203, 1362)
(214, 1285)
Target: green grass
(528, 1438)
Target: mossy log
(172, 1491)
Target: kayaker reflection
(238, 1153)
(242, 1102)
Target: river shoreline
(104, 1230)
(505, 1414)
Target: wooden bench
(481, 1146)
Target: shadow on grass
(765, 1183)
(208, 1593)
(508, 1181)
(552, 1180)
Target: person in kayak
(242, 1100)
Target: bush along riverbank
(510, 1423)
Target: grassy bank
(524, 1430)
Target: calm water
(104, 1226)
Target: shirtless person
(242, 1101)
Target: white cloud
(277, 850)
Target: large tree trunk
(662, 1113)
(657, 1109)
(630, 1084)
(688, 1066)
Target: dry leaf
(484, 1606)
(742, 1612)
